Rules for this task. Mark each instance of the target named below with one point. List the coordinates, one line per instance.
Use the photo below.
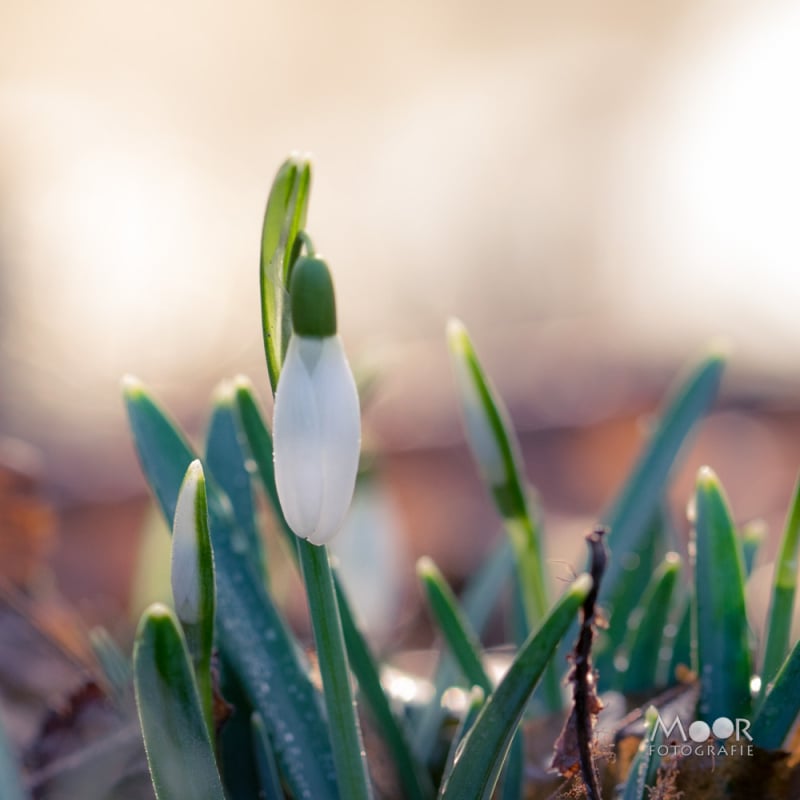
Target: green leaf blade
(638, 501)
(645, 639)
(176, 738)
(723, 647)
(480, 760)
(461, 639)
(784, 588)
(285, 215)
(253, 635)
(779, 711)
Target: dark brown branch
(573, 750)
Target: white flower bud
(185, 572)
(316, 435)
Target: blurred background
(596, 190)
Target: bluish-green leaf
(632, 583)
(637, 502)
(176, 739)
(115, 664)
(643, 773)
(479, 762)
(784, 588)
(477, 602)
(781, 706)
(753, 535)
(475, 701)
(227, 458)
(10, 778)
(461, 639)
(722, 633)
(645, 639)
(265, 761)
(253, 636)
(682, 655)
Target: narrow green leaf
(646, 625)
(285, 215)
(415, 779)
(682, 655)
(475, 702)
(644, 769)
(479, 762)
(413, 776)
(722, 633)
(176, 740)
(253, 636)
(784, 588)
(10, 778)
(753, 535)
(192, 573)
(265, 760)
(634, 578)
(236, 748)
(461, 639)
(498, 455)
(781, 706)
(348, 749)
(115, 664)
(637, 502)
(227, 459)
(513, 778)
(477, 601)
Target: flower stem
(348, 749)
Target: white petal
(185, 568)
(296, 438)
(340, 419)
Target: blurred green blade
(480, 760)
(226, 458)
(646, 629)
(634, 578)
(460, 638)
(413, 776)
(475, 703)
(477, 602)
(253, 636)
(638, 501)
(682, 644)
(236, 750)
(722, 633)
(753, 536)
(265, 761)
(416, 782)
(11, 786)
(179, 751)
(644, 768)
(784, 588)
(116, 666)
(514, 774)
(285, 215)
(781, 706)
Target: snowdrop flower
(316, 427)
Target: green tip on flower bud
(312, 298)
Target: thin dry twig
(573, 750)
